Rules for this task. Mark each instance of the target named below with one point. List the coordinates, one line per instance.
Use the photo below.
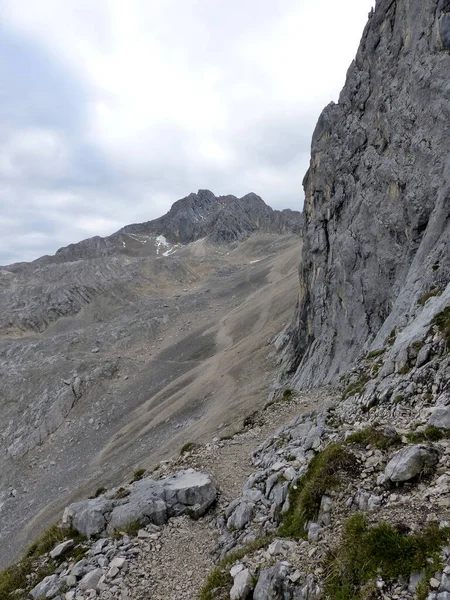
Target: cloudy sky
(110, 110)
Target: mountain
(122, 349)
(222, 219)
(377, 211)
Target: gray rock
(187, 492)
(440, 417)
(374, 239)
(61, 548)
(273, 584)
(91, 580)
(47, 588)
(411, 461)
(242, 586)
(241, 516)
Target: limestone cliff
(377, 210)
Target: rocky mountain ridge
(219, 219)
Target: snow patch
(252, 262)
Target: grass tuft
(383, 550)
(138, 475)
(305, 496)
(442, 322)
(434, 291)
(429, 434)
(188, 447)
(375, 437)
(219, 581)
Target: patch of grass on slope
(323, 475)
(442, 322)
(365, 552)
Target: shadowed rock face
(377, 210)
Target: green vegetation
(99, 491)
(219, 582)
(138, 475)
(50, 538)
(188, 447)
(22, 576)
(375, 437)
(434, 291)
(305, 496)
(285, 397)
(399, 398)
(27, 573)
(442, 322)
(356, 387)
(375, 353)
(365, 552)
(429, 434)
(392, 337)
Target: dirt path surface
(176, 564)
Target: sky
(110, 110)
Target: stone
(241, 516)
(91, 580)
(440, 417)
(242, 586)
(61, 548)
(235, 569)
(148, 501)
(411, 461)
(273, 583)
(315, 532)
(47, 588)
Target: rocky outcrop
(146, 501)
(377, 209)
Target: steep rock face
(377, 209)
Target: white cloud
(178, 94)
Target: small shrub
(219, 581)
(405, 369)
(187, 448)
(99, 491)
(51, 538)
(399, 398)
(375, 353)
(392, 337)
(138, 475)
(434, 291)
(442, 322)
(429, 434)
(375, 437)
(305, 496)
(356, 387)
(383, 550)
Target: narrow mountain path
(175, 564)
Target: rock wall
(377, 210)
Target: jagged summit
(220, 219)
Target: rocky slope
(377, 209)
(113, 362)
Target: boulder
(440, 417)
(273, 583)
(411, 461)
(91, 580)
(242, 586)
(148, 501)
(47, 588)
(241, 516)
(61, 548)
